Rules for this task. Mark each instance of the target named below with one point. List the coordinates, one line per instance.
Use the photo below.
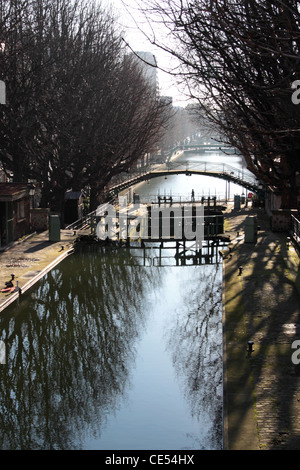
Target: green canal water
(111, 351)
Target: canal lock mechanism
(169, 230)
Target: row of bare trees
(79, 109)
(240, 60)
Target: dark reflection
(70, 347)
(195, 342)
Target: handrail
(220, 169)
(224, 168)
(80, 223)
(85, 221)
(295, 228)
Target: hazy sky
(138, 42)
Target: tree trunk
(93, 199)
(289, 194)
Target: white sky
(138, 42)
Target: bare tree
(239, 59)
(132, 122)
(78, 109)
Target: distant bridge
(217, 170)
(209, 148)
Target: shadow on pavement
(40, 246)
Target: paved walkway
(30, 259)
(262, 388)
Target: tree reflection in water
(70, 346)
(72, 342)
(195, 343)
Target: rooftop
(12, 191)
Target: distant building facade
(148, 64)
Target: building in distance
(148, 64)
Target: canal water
(117, 349)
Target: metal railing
(240, 176)
(295, 229)
(82, 223)
(218, 168)
(86, 221)
(182, 198)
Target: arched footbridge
(241, 177)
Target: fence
(295, 229)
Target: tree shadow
(40, 246)
(270, 304)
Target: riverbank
(31, 259)
(261, 304)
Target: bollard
(250, 346)
(240, 270)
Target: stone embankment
(261, 304)
(31, 259)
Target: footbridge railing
(242, 176)
(86, 221)
(295, 229)
(82, 223)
